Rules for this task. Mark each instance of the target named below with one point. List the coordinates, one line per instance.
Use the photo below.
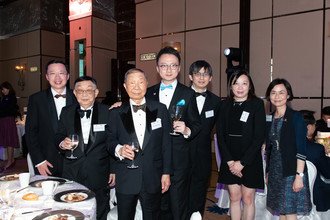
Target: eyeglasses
(206, 74)
(166, 66)
(88, 91)
(61, 74)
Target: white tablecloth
(88, 207)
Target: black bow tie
(200, 94)
(137, 107)
(60, 95)
(82, 113)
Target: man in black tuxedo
(90, 121)
(146, 123)
(170, 92)
(44, 109)
(208, 104)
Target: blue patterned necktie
(163, 86)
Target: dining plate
(75, 195)
(60, 214)
(37, 183)
(9, 177)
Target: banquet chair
(221, 191)
(196, 216)
(314, 215)
(30, 165)
(312, 172)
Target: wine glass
(135, 147)
(74, 144)
(176, 114)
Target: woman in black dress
(288, 190)
(8, 130)
(241, 133)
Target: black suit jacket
(200, 146)
(321, 190)
(92, 166)
(154, 160)
(190, 113)
(41, 125)
(253, 131)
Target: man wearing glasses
(208, 104)
(44, 109)
(89, 162)
(171, 92)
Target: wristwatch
(300, 174)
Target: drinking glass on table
(136, 148)
(176, 114)
(74, 144)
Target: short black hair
(85, 78)
(325, 110)
(168, 50)
(198, 65)
(233, 79)
(56, 62)
(279, 81)
(308, 117)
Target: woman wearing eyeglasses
(241, 133)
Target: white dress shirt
(139, 121)
(200, 100)
(165, 96)
(59, 102)
(86, 124)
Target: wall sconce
(21, 79)
(175, 45)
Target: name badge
(209, 114)
(156, 124)
(99, 127)
(269, 118)
(244, 116)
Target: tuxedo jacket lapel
(155, 93)
(52, 110)
(176, 96)
(77, 130)
(92, 134)
(151, 116)
(127, 119)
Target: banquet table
(14, 209)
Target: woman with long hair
(241, 133)
(8, 130)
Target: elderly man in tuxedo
(90, 164)
(146, 123)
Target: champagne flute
(176, 114)
(136, 148)
(74, 144)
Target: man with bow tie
(145, 123)
(170, 92)
(43, 112)
(208, 104)
(90, 165)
